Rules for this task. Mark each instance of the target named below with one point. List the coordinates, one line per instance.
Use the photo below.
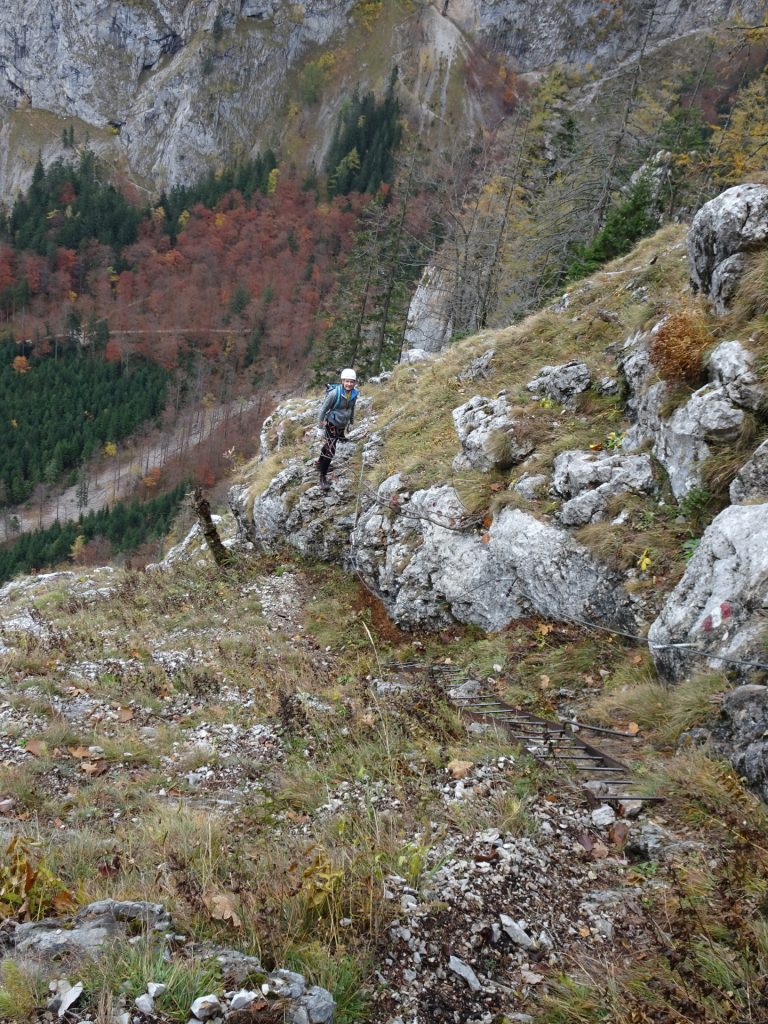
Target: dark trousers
(332, 435)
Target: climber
(337, 412)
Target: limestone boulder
(89, 931)
(741, 734)
(431, 567)
(590, 479)
(681, 442)
(732, 367)
(531, 485)
(719, 606)
(751, 482)
(294, 509)
(486, 430)
(722, 232)
(478, 369)
(561, 383)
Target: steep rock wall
(186, 82)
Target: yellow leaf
(544, 681)
(644, 561)
(633, 728)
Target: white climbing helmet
(348, 374)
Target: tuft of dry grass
(664, 712)
(751, 299)
(679, 345)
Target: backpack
(339, 393)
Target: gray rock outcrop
(561, 383)
(741, 734)
(88, 931)
(719, 606)
(590, 479)
(293, 509)
(681, 442)
(429, 318)
(751, 481)
(732, 367)
(295, 414)
(478, 369)
(722, 233)
(150, 72)
(486, 429)
(429, 570)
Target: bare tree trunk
(202, 509)
(601, 207)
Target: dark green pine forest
(59, 409)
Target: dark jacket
(344, 413)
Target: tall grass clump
(679, 345)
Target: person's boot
(323, 464)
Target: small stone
(319, 1005)
(289, 983)
(630, 808)
(205, 1007)
(242, 999)
(145, 1004)
(69, 998)
(603, 816)
(156, 988)
(518, 935)
(530, 977)
(464, 971)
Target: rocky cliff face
(171, 86)
(183, 83)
